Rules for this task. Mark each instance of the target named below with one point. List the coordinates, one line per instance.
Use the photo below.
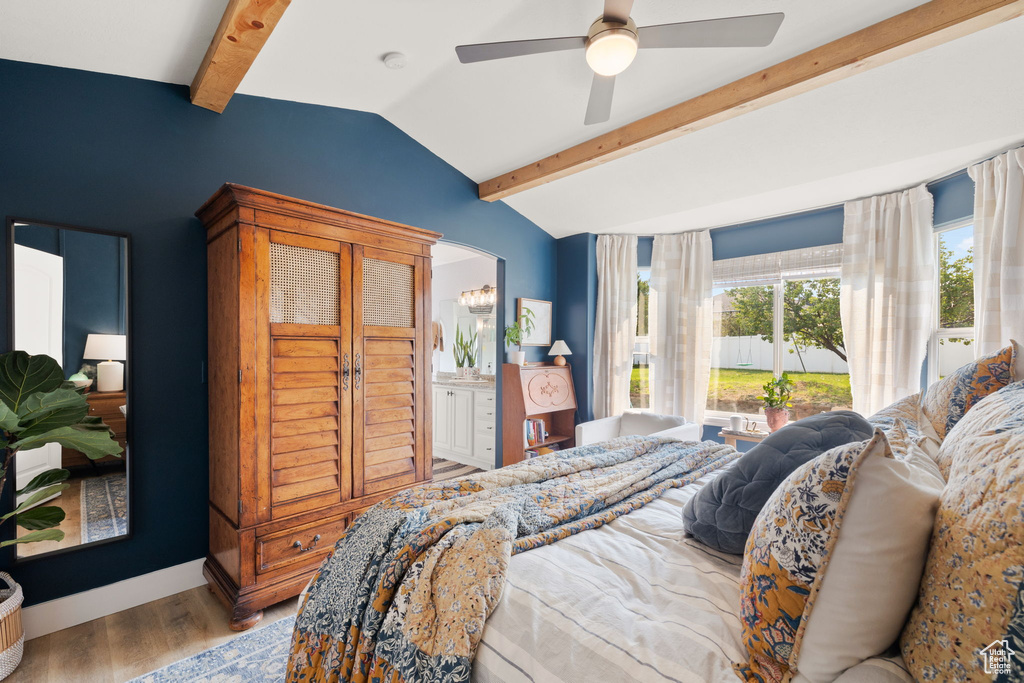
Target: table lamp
(110, 372)
(558, 350)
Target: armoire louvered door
(306, 463)
(389, 428)
(319, 367)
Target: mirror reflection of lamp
(112, 348)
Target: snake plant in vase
(464, 352)
(777, 392)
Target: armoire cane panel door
(390, 441)
(306, 450)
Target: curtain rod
(945, 176)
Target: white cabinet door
(442, 419)
(462, 421)
(38, 328)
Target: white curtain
(681, 328)
(887, 295)
(615, 328)
(998, 251)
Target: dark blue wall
(577, 307)
(136, 157)
(94, 284)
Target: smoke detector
(394, 60)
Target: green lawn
(737, 391)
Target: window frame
(931, 373)
(719, 418)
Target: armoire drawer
(279, 549)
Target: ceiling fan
(613, 40)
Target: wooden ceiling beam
(913, 31)
(243, 31)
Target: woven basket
(12, 636)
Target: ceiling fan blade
(757, 30)
(599, 108)
(617, 10)
(482, 52)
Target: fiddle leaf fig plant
(37, 407)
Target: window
(776, 313)
(952, 343)
(640, 380)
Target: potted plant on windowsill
(38, 407)
(464, 352)
(516, 333)
(777, 393)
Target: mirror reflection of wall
(70, 302)
(457, 270)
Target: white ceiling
(444, 253)
(881, 130)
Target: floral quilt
(405, 595)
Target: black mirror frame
(10, 530)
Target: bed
(634, 600)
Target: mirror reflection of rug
(104, 507)
(259, 656)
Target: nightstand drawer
(279, 549)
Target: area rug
(104, 507)
(448, 469)
(259, 656)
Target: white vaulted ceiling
(880, 130)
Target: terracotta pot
(776, 418)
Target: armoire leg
(242, 620)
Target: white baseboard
(55, 615)
(463, 459)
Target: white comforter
(635, 600)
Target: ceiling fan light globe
(610, 52)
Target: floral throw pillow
(948, 400)
(811, 603)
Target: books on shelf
(543, 450)
(534, 432)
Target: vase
(517, 357)
(776, 418)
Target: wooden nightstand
(107, 406)
(731, 439)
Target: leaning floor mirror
(68, 299)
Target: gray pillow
(723, 512)
(635, 422)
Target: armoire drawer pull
(298, 544)
(344, 373)
(359, 370)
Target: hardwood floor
(122, 646)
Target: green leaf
(34, 536)
(43, 517)
(42, 412)
(8, 418)
(34, 498)
(22, 375)
(93, 439)
(47, 478)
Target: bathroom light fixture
(480, 301)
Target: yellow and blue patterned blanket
(405, 595)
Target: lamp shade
(559, 348)
(106, 346)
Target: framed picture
(541, 334)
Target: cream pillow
(833, 564)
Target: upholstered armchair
(637, 423)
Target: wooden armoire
(319, 381)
